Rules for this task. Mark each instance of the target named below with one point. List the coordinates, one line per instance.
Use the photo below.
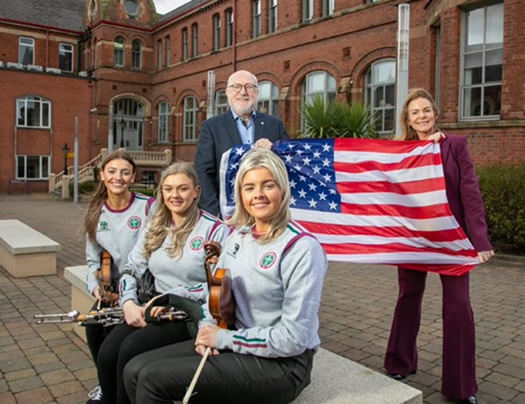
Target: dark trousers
(459, 352)
(95, 335)
(124, 343)
(163, 375)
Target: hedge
(503, 190)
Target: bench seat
(25, 251)
(335, 379)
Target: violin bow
(213, 250)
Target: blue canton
(310, 165)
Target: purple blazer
(463, 192)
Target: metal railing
(85, 172)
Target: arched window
(268, 98)
(119, 51)
(221, 102)
(136, 54)
(380, 94)
(191, 107)
(33, 112)
(164, 119)
(319, 83)
(128, 124)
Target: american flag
(369, 201)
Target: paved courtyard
(50, 364)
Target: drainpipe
(47, 49)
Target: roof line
(47, 27)
(178, 16)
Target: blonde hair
(407, 132)
(263, 158)
(160, 224)
(101, 195)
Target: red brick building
(118, 61)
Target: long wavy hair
(263, 158)
(407, 132)
(160, 225)
(101, 195)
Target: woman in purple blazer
(418, 120)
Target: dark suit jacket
(463, 192)
(219, 134)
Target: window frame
(159, 54)
(185, 50)
(119, 52)
(216, 22)
(371, 86)
(328, 8)
(26, 45)
(308, 10)
(164, 122)
(195, 40)
(483, 85)
(272, 101)
(327, 93)
(41, 166)
(71, 51)
(190, 129)
(167, 44)
(221, 102)
(41, 102)
(136, 54)
(273, 15)
(229, 27)
(256, 18)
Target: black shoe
(399, 376)
(470, 400)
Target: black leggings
(95, 335)
(163, 375)
(123, 344)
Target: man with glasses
(241, 124)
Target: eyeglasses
(250, 88)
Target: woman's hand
(97, 293)
(436, 137)
(156, 311)
(133, 314)
(206, 337)
(484, 256)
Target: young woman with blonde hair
(277, 273)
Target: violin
(221, 303)
(109, 294)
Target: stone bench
(81, 300)
(335, 379)
(25, 251)
(338, 380)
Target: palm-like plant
(336, 119)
